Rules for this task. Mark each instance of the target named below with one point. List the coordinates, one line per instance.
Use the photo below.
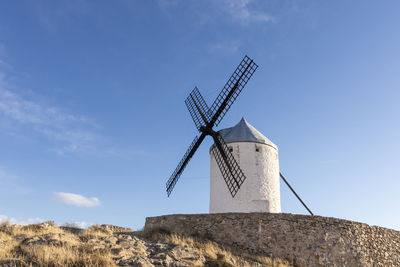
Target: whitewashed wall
(260, 191)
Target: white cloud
(4, 218)
(27, 111)
(76, 200)
(12, 220)
(81, 225)
(227, 47)
(68, 132)
(240, 10)
(28, 117)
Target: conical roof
(244, 132)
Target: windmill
(206, 118)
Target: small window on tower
(257, 149)
(230, 149)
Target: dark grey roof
(244, 132)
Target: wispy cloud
(12, 220)
(242, 11)
(51, 14)
(226, 47)
(27, 116)
(11, 183)
(76, 200)
(68, 132)
(26, 111)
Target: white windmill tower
(257, 156)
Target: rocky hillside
(47, 244)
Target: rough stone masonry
(310, 240)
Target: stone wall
(310, 240)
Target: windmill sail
(182, 164)
(232, 89)
(198, 108)
(230, 169)
(205, 118)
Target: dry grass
(96, 231)
(215, 254)
(65, 256)
(46, 244)
(52, 246)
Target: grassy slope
(46, 244)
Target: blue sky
(93, 120)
